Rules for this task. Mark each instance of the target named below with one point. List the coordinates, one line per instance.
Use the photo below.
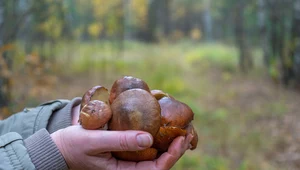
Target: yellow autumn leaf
(95, 29)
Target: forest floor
(244, 121)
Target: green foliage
(188, 162)
(274, 71)
(195, 162)
(209, 55)
(214, 163)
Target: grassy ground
(244, 122)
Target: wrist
(44, 152)
(75, 114)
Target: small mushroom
(95, 93)
(94, 115)
(95, 111)
(190, 129)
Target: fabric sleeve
(13, 153)
(62, 118)
(43, 152)
(41, 148)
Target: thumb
(107, 141)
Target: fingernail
(144, 140)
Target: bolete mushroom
(191, 129)
(94, 115)
(143, 155)
(135, 109)
(126, 83)
(95, 111)
(132, 106)
(95, 93)
(158, 94)
(175, 118)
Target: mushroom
(94, 115)
(95, 111)
(143, 155)
(132, 106)
(158, 94)
(175, 118)
(135, 109)
(95, 93)
(124, 84)
(190, 129)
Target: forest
(235, 62)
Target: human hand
(91, 149)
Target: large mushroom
(134, 109)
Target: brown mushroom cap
(95, 93)
(165, 136)
(175, 113)
(190, 129)
(124, 84)
(95, 114)
(143, 155)
(135, 109)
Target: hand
(91, 149)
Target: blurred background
(235, 62)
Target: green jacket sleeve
(29, 126)
(13, 153)
(31, 120)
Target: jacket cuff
(62, 118)
(44, 152)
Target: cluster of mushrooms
(131, 105)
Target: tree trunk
(263, 31)
(7, 35)
(245, 60)
(12, 16)
(127, 19)
(295, 52)
(163, 17)
(279, 44)
(149, 34)
(207, 18)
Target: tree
(207, 18)
(262, 24)
(12, 16)
(245, 59)
(149, 33)
(295, 42)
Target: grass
(229, 108)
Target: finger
(187, 142)
(165, 162)
(167, 159)
(175, 151)
(107, 141)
